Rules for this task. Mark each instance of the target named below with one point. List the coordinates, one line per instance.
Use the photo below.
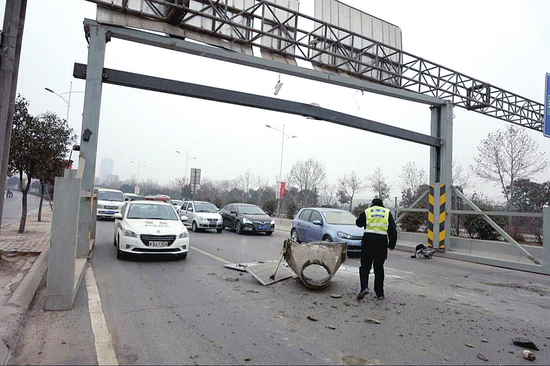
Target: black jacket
(370, 237)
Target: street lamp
(284, 137)
(65, 100)
(186, 164)
(137, 178)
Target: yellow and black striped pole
(437, 199)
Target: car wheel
(327, 238)
(114, 240)
(194, 227)
(294, 236)
(238, 228)
(269, 233)
(219, 231)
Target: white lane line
(103, 345)
(210, 255)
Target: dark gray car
(244, 217)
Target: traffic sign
(546, 118)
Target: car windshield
(144, 211)
(250, 210)
(110, 196)
(205, 207)
(339, 217)
(177, 202)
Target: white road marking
(211, 255)
(103, 345)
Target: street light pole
(137, 178)
(186, 164)
(284, 137)
(70, 92)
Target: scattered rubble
(372, 321)
(482, 357)
(469, 345)
(331, 327)
(528, 355)
(336, 296)
(313, 317)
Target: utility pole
(10, 54)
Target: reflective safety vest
(378, 219)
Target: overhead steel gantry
(331, 48)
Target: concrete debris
(484, 340)
(528, 355)
(316, 262)
(482, 357)
(331, 327)
(336, 296)
(218, 248)
(446, 358)
(347, 304)
(372, 321)
(248, 359)
(469, 345)
(354, 360)
(525, 343)
(313, 317)
(229, 279)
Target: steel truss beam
(168, 86)
(377, 62)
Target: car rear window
(339, 217)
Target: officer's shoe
(381, 297)
(362, 294)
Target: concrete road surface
(12, 207)
(195, 311)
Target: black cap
(377, 202)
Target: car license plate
(158, 244)
(262, 227)
(110, 212)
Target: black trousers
(373, 251)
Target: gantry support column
(441, 159)
(97, 37)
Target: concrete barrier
(283, 225)
(495, 253)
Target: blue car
(327, 224)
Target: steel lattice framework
(347, 52)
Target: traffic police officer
(380, 234)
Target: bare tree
(349, 185)
(412, 177)
(308, 176)
(460, 177)
(378, 184)
(327, 194)
(507, 155)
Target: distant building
(110, 178)
(106, 168)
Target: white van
(109, 202)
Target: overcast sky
(505, 43)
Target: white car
(109, 202)
(150, 227)
(202, 215)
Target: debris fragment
(469, 345)
(218, 248)
(528, 355)
(402, 303)
(353, 360)
(484, 340)
(446, 358)
(372, 321)
(229, 279)
(347, 303)
(331, 327)
(313, 317)
(482, 357)
(247, 359)
(398, 311)
(336, 296)
(525, 343)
